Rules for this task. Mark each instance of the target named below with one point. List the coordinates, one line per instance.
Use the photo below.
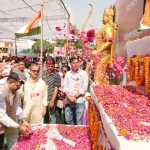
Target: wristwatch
(21, 121)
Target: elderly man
(35, 97)
(10, 108)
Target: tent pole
(15, 47)
(68, 26)
(41, 54)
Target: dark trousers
(46, 117)
(1, 141)
(58, 115)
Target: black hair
(27, 64)
(65, 67)
(8, 59)
(73, 58)
(51, 59)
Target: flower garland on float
(134, 71)
(96, 128)
(131, 65)
(147, 72)
(139, 79)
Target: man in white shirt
(9, 105)
(75, 86)
(35, 97)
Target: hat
(18, 76)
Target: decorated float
(118, 115)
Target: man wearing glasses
(10, 109)
(57, 69)
(35, 97)
(75, 86)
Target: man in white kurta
(35, 97)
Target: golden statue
(105, 45)
(105, 38)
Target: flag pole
(41, 54)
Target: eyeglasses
(56, 67)
(21, 82)
(64, 70)
(35, 71)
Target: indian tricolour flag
(33, 28)
(145, 22)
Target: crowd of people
(35, 93)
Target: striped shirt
(52, 81)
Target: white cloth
(73, 86)
(138, 47)
(4, 119)
(35, 98)
(3, 81)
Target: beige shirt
(10, 108)
(35, 98)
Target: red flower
(111, 40)
(37, 94)
(58, 28)
(90, 40)
(126, 70)
(72, 31)
(91, 33)
(70, 24)
(44, 50)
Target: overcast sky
(80, 9)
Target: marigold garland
(147, 73)
(139, 78)
(131, 66)
(134, 71)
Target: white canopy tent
(14, 14)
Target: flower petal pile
(33, 140)
(79, 134)
(129, 111)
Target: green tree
(76, 29)
(36, 47)
(78, 44)
(60, 43)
